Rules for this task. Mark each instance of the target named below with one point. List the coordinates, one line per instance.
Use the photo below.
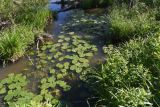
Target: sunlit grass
(14, 41)
(26, 16)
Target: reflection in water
(16, 67)
(56, 27)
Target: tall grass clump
(35, 15)
(130, 76)
(14, 41)
(137, 21)
(6, 7)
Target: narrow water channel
(56, 27)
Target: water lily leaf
(78, 64)
(61, 59)
(81, 55)
(83, 60)
(57, 45)
(89, 54)
(49, 46)
(71, 33)
(49, 43)
(64, 47)
(94, 49)
(57, 55)
(67, 39)
(75, 43)
(38, 66)
(65, 44)
(74, 61)
(52, 71)
(59, 76)
(44, 80)
(52, 50)
(60, 40)
(43, 61)
(68, 57)
(59, 65)
(52, 61)
(3, 90)
(78, 69)
(68, 50)
(85, 65)
(49, 57)
(74, 50)
(63, 70)
(61, 37)
(73, 67)
(44, 48)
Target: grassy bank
(130, 76)
(27, 17)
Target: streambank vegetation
(20, 22)
(128, 33)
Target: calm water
(62, 17)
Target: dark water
(56, 27)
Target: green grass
(133, 67)
(139, 21)
(27, 17)
(14, 41)
(35, 16)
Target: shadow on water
(56, 27)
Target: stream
(53, 28)
(78, 95)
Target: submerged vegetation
(129, 76)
